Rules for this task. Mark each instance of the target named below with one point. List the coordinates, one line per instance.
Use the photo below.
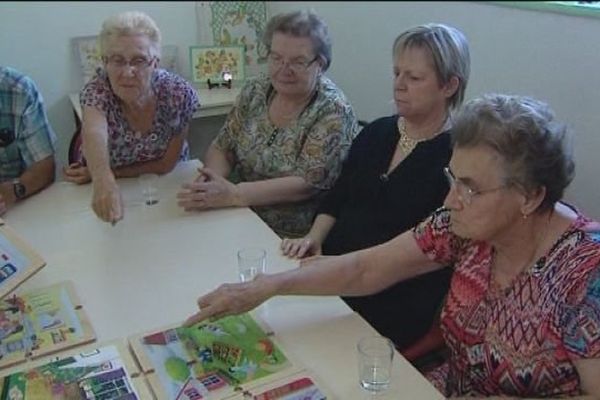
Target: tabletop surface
(147, 271)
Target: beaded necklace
(406, 143)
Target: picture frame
(87, 51)
(217, 64)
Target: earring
(525, 215)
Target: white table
(216, 101)
(147, 271)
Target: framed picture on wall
(217, 64)
(88, 56)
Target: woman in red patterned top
(522, 317)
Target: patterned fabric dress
(313, 146)
(521, 341)
(176, 103)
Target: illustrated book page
(107, 372)
(218, 360)
(41, 322)
(18, 260)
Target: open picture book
(41, 322)
(18, 261)
(236, 357)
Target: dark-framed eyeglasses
(298, 66)
(137, 63)
(464, 192)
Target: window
(580, 8)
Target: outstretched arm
(354, 274)
(106, 199)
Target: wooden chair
(75, 149)
(429, 351)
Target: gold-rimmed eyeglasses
(464, 192)
(137, 63)
(297, 66)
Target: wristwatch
(19, 189)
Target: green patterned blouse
(312, 147)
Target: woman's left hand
(77, 173)
(213, 191)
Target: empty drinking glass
(149, 186)
(251, 262)
(375, 355)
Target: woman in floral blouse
(522, 317)
(286, 136)
(135, 115)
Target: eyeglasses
(465, 193)
(137, 63)
(297, 66)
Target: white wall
(551, 56)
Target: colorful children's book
(217, 360)
(104, 373)
(41, 322)
(18, 261)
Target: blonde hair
(450, 52)
(127, 24)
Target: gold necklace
(406, 143)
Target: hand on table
(300, 248)
(107, 201)
(230, 299)
(209, 190)
(77, 173)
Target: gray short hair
(536, 149)
(130, 23)
(449, 49)
(302, 24)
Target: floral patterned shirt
(176, 103)
(312, 147)
(521, 341)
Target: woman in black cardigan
(393, 178)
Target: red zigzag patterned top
(521, 341)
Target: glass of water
(149, 186)
(375, 355)
(251, 262)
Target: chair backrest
(75, 149)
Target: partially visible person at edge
(136, 116)
(27, 141)
(286, 136)
(522, 317)
(393, 178)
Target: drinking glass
(149, 186)
(251, 262)
(375, 355)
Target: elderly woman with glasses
(135, 116)
(522, 317)
(285, 139)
